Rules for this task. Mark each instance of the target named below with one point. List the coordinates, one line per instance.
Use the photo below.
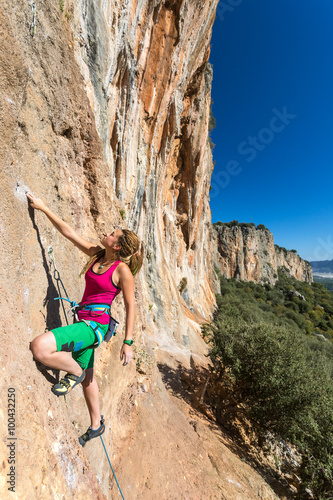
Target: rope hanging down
(122, 496)
(73, 304)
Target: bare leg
(91, 394)
(44, 349)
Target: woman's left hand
(126, 354)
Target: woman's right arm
(63, 228)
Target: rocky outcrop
(104, 114)
(249, 254)
(292, 262)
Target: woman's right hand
(36, 203)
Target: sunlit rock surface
(104, 114)
(249, 254)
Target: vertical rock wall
(105, 109)
(249, 254)
(148, 81)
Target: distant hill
(322, 266)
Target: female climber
(109, 271)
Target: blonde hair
(129, 253)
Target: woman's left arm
(126, 283)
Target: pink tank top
(100, 289)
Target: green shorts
(77, 339)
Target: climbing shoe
(92, 433)
(67, 383)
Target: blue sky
(273, 105)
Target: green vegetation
(282, 304)
(326, 282)
(212, 120)
(144, 361)
(62, 8)
(122, 213)
(235, 223)
(182, 285)
(265, 339)
(211, 124)
(284, 250)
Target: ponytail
(131, 250)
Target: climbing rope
(73, 304)
(122, 496)
(33, 27)
(60, 283)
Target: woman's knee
(35, 347)
(43, 345)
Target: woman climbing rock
(109, 271)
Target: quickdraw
(33, 28)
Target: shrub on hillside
(277, 374)
(266, 339)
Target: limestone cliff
(298, 267)
(104, 110)
(249, 254)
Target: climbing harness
(102, 308)
(97, 330)
(75, 308)
(94, 307)
(33, 27)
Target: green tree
(265, 339)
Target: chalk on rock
(21, 191)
